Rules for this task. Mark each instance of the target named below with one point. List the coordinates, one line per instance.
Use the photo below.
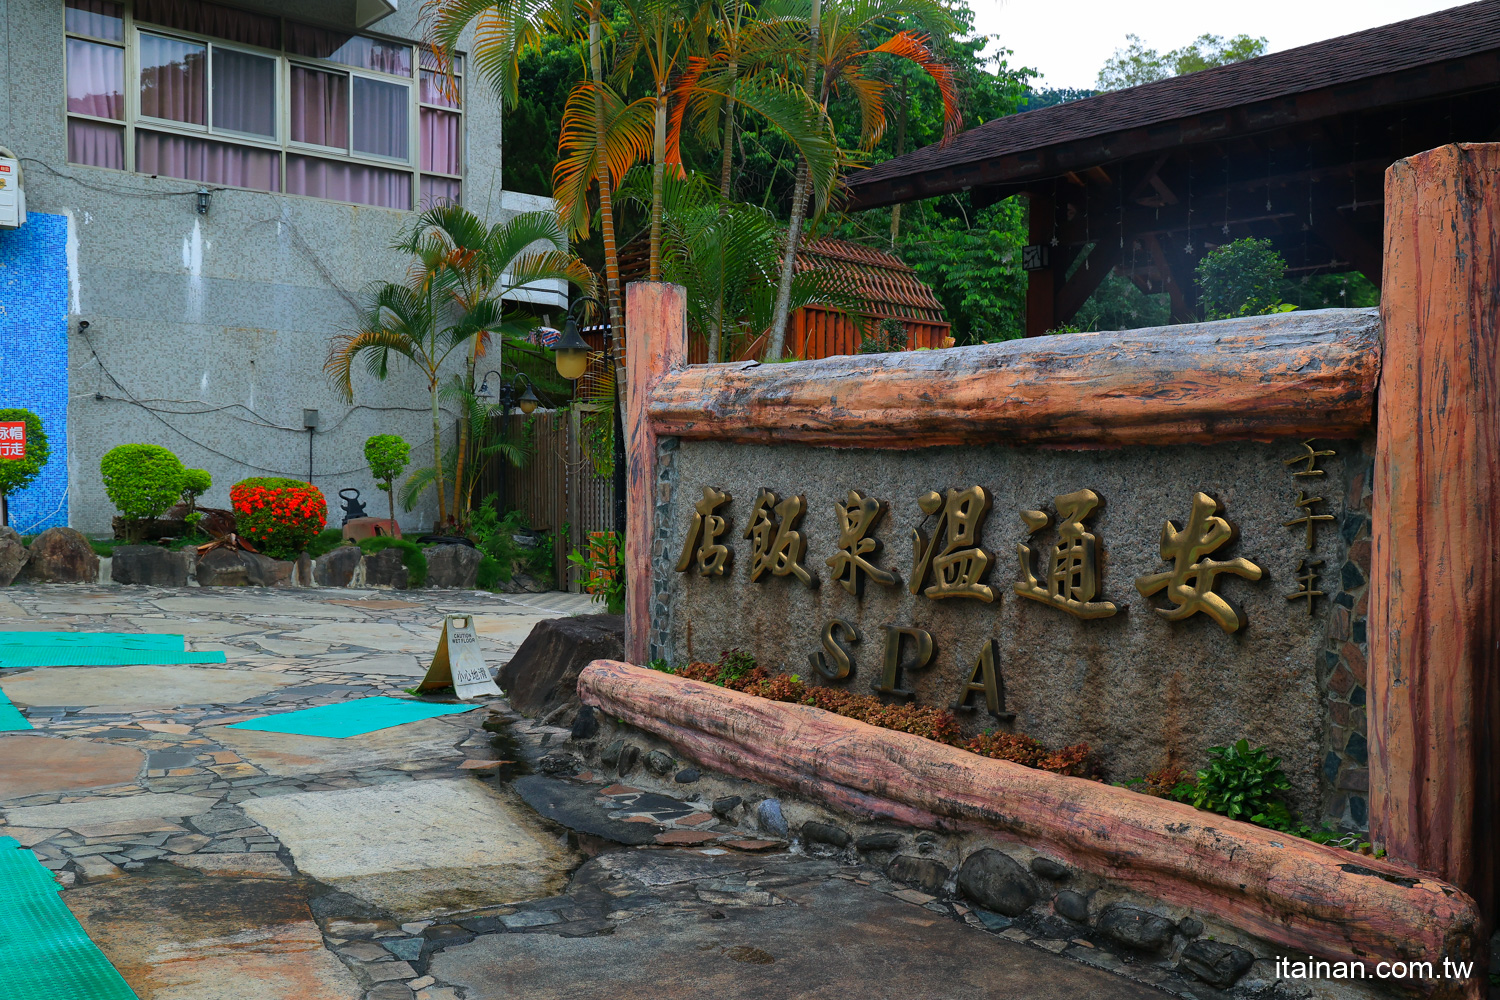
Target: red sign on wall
(12, 440)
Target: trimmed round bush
(195, 483)
(278, 516)
(142, 481)
(17, 473)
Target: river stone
(1190, 926)
(453, 566)
(13, 555)
(628, 757)
(585, 724)
(336, 567)
(1216, 963)
(996, 882)
(386, 569)
(924, 873)
(826, 833)
(768, 815)
(60, 555)
(878, 842)
(610, 755)
(725, 805)
(543, 675)
(149, 565)
(1048, 868)
(1135, 928)
(659, 763)
(1073, 905)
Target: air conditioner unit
(12, 196)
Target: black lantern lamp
(505, 392)
(572, 350)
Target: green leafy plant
(412, 556)
(494, 535)
(1244, 782)
(603, 569)
(142, 481)
(279, 516)
(17, 473)
(889, 337)
(1243, 278)
(324, 542)
(388, 456)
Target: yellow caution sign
(458, 662)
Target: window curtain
(209, 162)
(172, 79)
(211, 19)
(438, 191)
(440, 141)
(96, 79)
(320, 107)
(99, 18)
(94, 144)
(380, 118)
(348, 182)
(351, 50)
(244, 92)
(438, 88)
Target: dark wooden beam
(1087, 279)
(1041, 292)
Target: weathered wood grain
(1257, 378)
(1309, 898)
(1435, 576)
(656, 343)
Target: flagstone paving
(446, 859)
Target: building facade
(210, 191)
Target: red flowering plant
(278, 516)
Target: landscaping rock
(768, 815)
(725, 805)
(1190, 926)
(610, 755)
(450, 566)
(878, 842)
(628, 757)
(543, 675)
(150, 565)
(13, 555)
(1048, 868)
(1216, 963)
(230, 568)
(659, 763)
(336, 567)
(273, 572)
(1134, 928)
(995, 881)
(924, 873)
(60, 555)
(303, 576)
(1073, 905)
(687, 776)
(585, 724)
(826, 833)
(386, 569)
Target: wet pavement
(463, 857)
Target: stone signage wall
(1097, 664)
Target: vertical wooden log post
(655, 343)
(1041, 307)
(1435, 573)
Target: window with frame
(228, 97)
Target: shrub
(1242, 278)
(17, 473)
(603, 569)
(280, 517)
(411, 556)
(326, 541)
(1244, 782)
(142, 481)
(387, 455)
(195, 483)
(889, 337)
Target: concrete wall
(207, 333)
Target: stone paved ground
(458, 858)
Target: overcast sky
(1069, 42)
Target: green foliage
(17, 473)
(1242, 278)
(734, 665)
(1118, 304)
(1134, 64)
(660, 664)
(195, 483)
(387, 455)
(889, 336)
(411, 556)
(603, 569)
(325, 541)
(495, 536)
(1245, 783)
(142, 481)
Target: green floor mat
(95, 656)
(350, 718)
(44, 954)
(114, 640)
(11, 719)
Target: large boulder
(543, 674)
(61, 555)
(13, 555)
(1133, 928)
(151, 565)
(237, 568)
(453, 566)
(386, 568)
(336, 567)
(996, 881)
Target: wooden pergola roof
(1291, 147)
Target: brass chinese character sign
(852, 562)
(1190, 582)
(958, 566)
(776, 544)
(1305, 505)
(1307, 576)
(703, 534)
(1072, 580)
(1310, 456)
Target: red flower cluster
(281, 516)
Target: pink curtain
(380, 117)
(172, 79)
(437, 88)
(348, 182)
(429, 60)
(351, 50)
(438, 191)
(211, 19)
(96, 79)
(440, 141)
(95, 144)
(320, 107)
(209, 162)
(99, 18)
(244, 92)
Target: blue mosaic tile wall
(34, 356)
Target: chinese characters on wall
(12, 440)
(1309, 520)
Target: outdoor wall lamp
(203, 197)
(505, 392)
(572, 350)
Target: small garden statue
(388, 456)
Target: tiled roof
(888, 286)
(1450, 34)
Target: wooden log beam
(1434, 576)
(1293, 892)
(1257, 378)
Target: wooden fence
(558, 488)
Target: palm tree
(836, 61)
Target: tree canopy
(1135, 64)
